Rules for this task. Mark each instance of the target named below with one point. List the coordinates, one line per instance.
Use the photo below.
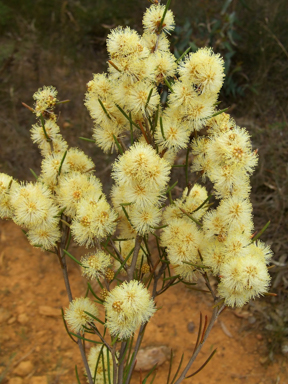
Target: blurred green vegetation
(251, 36)
(68, 25)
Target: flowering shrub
(147, 108)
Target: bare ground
(31, 279)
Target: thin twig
(122, 361)
(96, 331)
(63, 263)
(143, 132)
(117, 253)
(171, 282)
(136, 349)
(131, 269)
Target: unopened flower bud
(117, 306)
(109, 274)
(145, 268)
(103, 294)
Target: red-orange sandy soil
(31, 279)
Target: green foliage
(250, 36)
(65, 23)
(5, 15)
(218, 30)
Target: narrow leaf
(202, 366)
(149, 373)
(204, 202)
(170, 366)
(124, 262)
(108, 365)
(85, 139)
(99, 282)
(179, 367)
(62, 161)
(118, 144)
(104, 109)
(131, 129)
(94, 317)
(33, 173)
(168, 84)
(183, 54)
(127, 117)
(43, 127)
(93, 293)
(97, 363)
(149, 97)
(187, 165)
(103, 366)
(161, 127)
(77, 376)
(72, 257)
(151, 382)
(172, 186)
(218, 113)
(163, 16)
(199, 333)
(171, 277)
(62, 102)
(191, 218)
(196, 265)
(261, 232)
(83, 338)
(65, 325)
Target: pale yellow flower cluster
(126, 249)
(32, 207)
(141, 72)
(224, 238)
(181, 237)
(138, 66)
(182, 240)
(94, 265)
(66, 184)
(67, 173)
(105, 364)
(7, 187)
(76, 315)
(141, 177)
(45, 100)
(127, 307)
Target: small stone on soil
(11, 321)
(38, 380)
(24, 368)
(251, 320)
(45, 310)
(23, 319)
(191, 326)
(149, 356)
(15, 380)
(4, 315)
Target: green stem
(163, 16)
(187, 165)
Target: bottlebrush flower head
(75, 315)
(127, 307)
